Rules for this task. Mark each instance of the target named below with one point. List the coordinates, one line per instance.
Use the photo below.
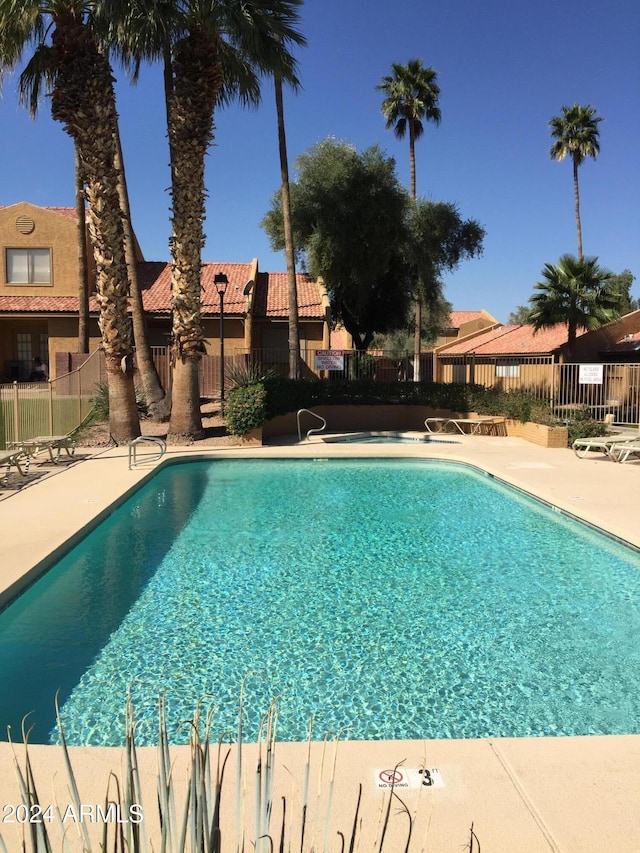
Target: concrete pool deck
(532, 794)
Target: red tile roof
(511, 340)
(69, 212)
(457, 318)
(270, 298)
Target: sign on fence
(590, 374)
(329, 359)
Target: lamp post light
(221, 281)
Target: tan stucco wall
(52, 231)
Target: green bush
(100, 402)
(287, 395)
(245, 408)
(582, 425)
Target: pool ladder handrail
(150, 439)
(313, 430)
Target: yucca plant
(196, 824)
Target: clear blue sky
(505, 67)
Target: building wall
(51, 230)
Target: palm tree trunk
(576, 195)
(153, 390)
(83, 261)
(83, 100)
(417, 329)
(197, 79)
(292, 291)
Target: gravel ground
(98, 435)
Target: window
(507, 369)
(28, 266)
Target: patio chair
(583, 447)
(16, 458)
(31, 447)
(623, 451)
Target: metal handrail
(314, 430)
(151, 439)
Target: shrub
(245, 408)
(100, 402)
(249, 372)
(582, 425)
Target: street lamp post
(221, 281)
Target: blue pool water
(395, 598)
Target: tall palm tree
(78, 75)
(411, 97)
(292, 290)
(575, 291)
(576, 135)
(213, 52)
(83, 260)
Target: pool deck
(531, 794)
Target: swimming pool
(383, 438)
(401, 598)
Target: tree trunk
(186, 420)
(83, 100)
(197, 79)
(292, 290)
(576, 195)
(153, 390)
(83, 261)
(417, 328)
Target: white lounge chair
(476, 425)
(583, 447)
(623, 451)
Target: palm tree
(411, 96)
(292, 290)
(78, 75)
(213, 51)
(576, 135)
(575, 291)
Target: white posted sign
(590, 374)
(329, 359)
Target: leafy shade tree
(438, 241)
(575, 291)
(519, 317)
(78, 76)
(213, 52)
(621, 282)
(576, 135)
(348, 214)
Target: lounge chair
(476, 425)
(33, 446)
(601, 444)
(13, 457)
(623, 451)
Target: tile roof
(69, 212)
(270, 298)
(511, 340)
(457, 318)
(630, 343)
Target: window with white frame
(28, 266)
(507, 368)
